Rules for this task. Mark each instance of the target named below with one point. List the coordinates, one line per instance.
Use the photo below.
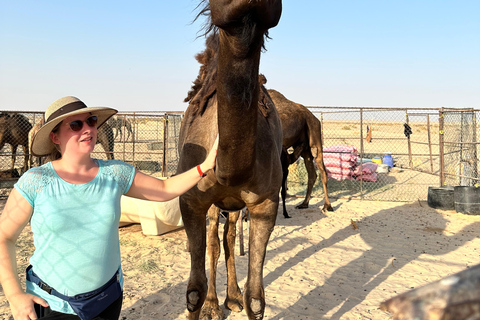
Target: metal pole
(409, 144)
(441, 128)
(165, 141)
(361, 153)
(429, 143)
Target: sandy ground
(317, 266)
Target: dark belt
(45, 287)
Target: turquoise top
(75, 226)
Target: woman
(73, 205)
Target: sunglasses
(77, 125)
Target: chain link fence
(459, 134)
(407, 137)
(427, 147)
(147, 140)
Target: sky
(140, 55)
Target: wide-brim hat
(64, 107)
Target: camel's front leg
(233, 301)
(14, 155)
(262, 222)
(211, 310)
(194, 221)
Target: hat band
(77, 105)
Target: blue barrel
(387, 159)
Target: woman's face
(76, 142)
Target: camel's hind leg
(262, 222)
(14, 155)
(327, 206)
(211, 310)
(312, 177)
(234, 299)
(26, 158)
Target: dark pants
(111, 313)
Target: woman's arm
(15, 216)
(149, 188)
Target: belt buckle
(45, 287)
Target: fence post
(361, 152)
(165, 141)
(136, 135)
(475, 159)
(441, 128)
(410, 161)
(429, 143)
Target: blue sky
(139, 55)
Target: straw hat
(64, 107)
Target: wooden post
(454, 297)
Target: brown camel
(14, 130)
(122, 126)
(224, 100)
(34, 160)
(106, 139)
(302, 132)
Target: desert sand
(338, 265)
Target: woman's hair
(55, 154)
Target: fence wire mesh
(410, 137)
(459, 134)
(147, 140)
(427, 147)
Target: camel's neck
(237, 97)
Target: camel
(224, 100)
(14, 130)
(121, 125)
(302, 132)
(106, 139)
(34, 160)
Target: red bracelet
(200, 172)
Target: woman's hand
(209, 162)
(22, 306)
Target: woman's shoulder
(38, 172)
(36, 178)
(118, 170)
(112, 164)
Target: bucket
(467, 200)
(441, 198)
(377, 160)
(387, 159)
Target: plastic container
(382, 168)
(441, 197)
(467, 200)
(377, 160)
(387, 159)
